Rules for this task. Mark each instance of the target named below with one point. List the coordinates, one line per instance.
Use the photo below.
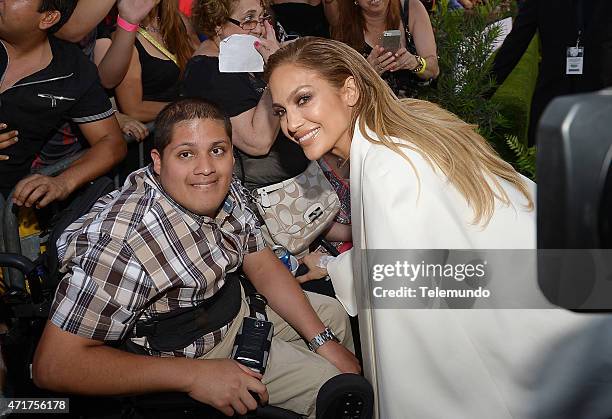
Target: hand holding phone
(380, 59)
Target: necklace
(341, 161)
(152, 26)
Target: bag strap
(405, 14)
(128, 333)
(157, 45)
(217, 311)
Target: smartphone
(391, 40)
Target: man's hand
(135, 10)
(341, 357)
(39, 190)
(229, 390)
(7, 139)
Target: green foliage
(465, 83)
(514, 95)
(464, 48)
(525, 156)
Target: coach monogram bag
(298, 210)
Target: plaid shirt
(137, 243)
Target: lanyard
(579, 19)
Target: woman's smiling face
(313, 113)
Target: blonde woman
(420, 178)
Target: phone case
(391, 40)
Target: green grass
(514, 95)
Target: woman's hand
(381, 60)
(311, 260)
(404, 60)
(268, 45)
(133, 127)
(134, 11)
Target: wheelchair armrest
(19, 262)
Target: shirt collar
(61, 63)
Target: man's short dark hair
(185, 110)
(65, 7)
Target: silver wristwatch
(325, 336)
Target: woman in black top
(304, 17)
(362, 27)
(164, 43)
(261, 159)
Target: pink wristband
(125, 25)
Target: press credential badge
(575, 60)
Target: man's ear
(49, 19)
(350, 93)
(156, 157)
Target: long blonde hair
(445, 141)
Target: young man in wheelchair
(166, 242)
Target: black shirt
(160, 77)
(556, 22)
(236, 93)
(302, 19)
(67, 89)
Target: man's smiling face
(196, 167)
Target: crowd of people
(85, 75)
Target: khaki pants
(294, 374)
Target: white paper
(237, 54)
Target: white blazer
(506, 363)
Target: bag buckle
(313, 212)
(260, 196)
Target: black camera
(252, 344)
(574, 167)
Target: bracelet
(125, 25)
(421, 64)
(422, 70)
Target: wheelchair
(30, 283)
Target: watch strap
(323, 337)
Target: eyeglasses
(250, 24)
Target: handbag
(298, 210)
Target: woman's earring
(356, 3)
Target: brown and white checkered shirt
(137, 243)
